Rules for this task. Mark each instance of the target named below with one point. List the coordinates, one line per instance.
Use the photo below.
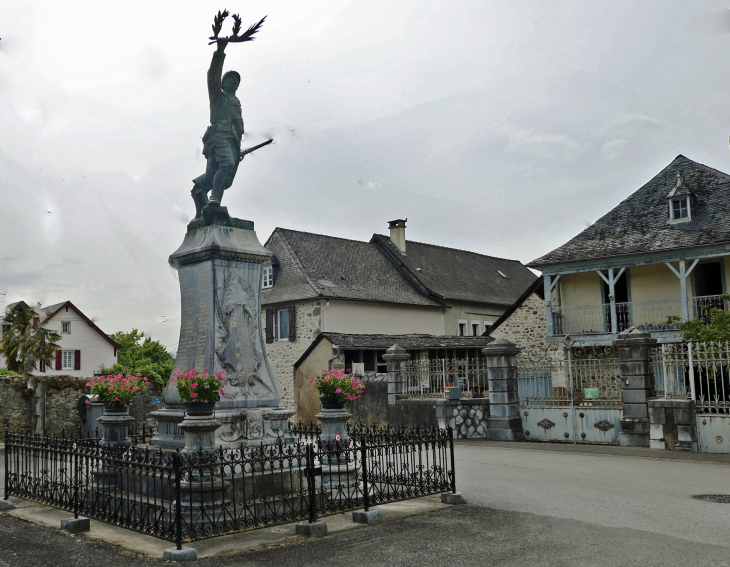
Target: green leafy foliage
(26, 342)
(712, 325)
(142, 355)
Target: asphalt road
(526, 507)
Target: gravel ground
(462, 535)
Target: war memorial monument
(219, 265)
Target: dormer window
(680, 208)
(268, 280)
(679, 202)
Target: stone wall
(283, 354)
(526, 327)
(468, 417)
(62, 393)
(14, 404)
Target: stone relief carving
(236, 296)
(254, 424)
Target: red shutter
(59, 362)
(36, 321)
(77, 360)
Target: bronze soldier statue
(222, 139)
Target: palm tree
(26, 341)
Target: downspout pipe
(337, 355)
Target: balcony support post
(611, 283)
(682, 275)
(548, 286)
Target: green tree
(711, 325)
(26, 341)
(141, 354)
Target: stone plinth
(505, 423)
(636, 378)
(394, 356)
(219, 266)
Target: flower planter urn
(115, 421)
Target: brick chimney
(398, 233)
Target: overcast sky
(499, 127)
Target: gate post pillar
(636, 377)
(505, 423)
(393, 356)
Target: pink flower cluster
(338, 385)
(193, 385)
(117, 387)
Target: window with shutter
(269, 325)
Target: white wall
(369, 317)
(95, 349)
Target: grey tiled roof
(315, 265)
(639, 224)
(462, 275)
(413, 341)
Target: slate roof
(408, 342)
(639, 224)
(315, 265)
(462, 275)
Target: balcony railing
(596, 319)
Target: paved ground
(593, 507)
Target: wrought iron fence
(435, 378)
(698, 371)
(185, 497)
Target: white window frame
(459, 328)
(674, 219)
(277, 325)
(71, 356)
(63, 324)
(267, 281)
(478, 327)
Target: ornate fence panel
(435, 378)
(184, 497)
(571, 393)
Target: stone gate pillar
(505, 423)
(393, 356)
(636, 376)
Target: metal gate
(571, 393)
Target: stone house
(84, 347)
(318, 283)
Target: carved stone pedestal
(220, 272)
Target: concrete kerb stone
(452, 498)
(76, 525)
(184, 554)
(318, 528)
(370, 517)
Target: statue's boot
(219, 181)
(200, 199)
